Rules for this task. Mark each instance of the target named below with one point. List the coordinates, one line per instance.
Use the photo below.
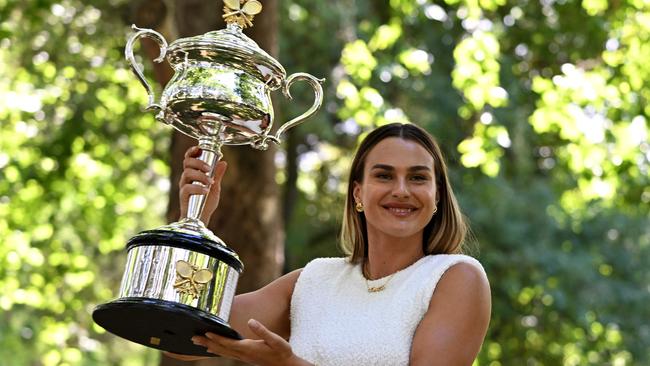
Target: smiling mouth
(399, 211)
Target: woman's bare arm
(268, 305)
(453, 329)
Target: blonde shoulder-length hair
(446, 231)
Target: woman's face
(398, 191)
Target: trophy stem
(210, 154)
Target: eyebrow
(414, 168)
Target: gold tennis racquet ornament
(180, 279)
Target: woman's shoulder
(460, 267)
(455, 271)
(327, 264)
(462, 278)
(442, 262)
(318, 274)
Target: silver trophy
(180, 279)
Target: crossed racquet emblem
(190, 280)
(242, 10)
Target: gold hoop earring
(435, 209)
(359, 207)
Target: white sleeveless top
(336, 321)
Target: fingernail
(211, 180)
(195, 340)
(254, 323)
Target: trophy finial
(241, 12)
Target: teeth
(400, 210)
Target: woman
(402, 296)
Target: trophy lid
(230, 46)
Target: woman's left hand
(270, 349)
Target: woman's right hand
(195, 170)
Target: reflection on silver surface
(221, 78)
(151, 272)
(220, 93)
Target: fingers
(196, 170)
(219, 345)
(192, 161)
(187, 188)
(273, 340)
(269, 349)
(193, 152)
(224, 341)
(196, 164)
(190, 176)
(212, 346)
(220, 170)
(198, 178)
(191, 164)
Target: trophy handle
(128, 53)
(318, 100)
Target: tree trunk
(249, 217)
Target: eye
(382, 176)
(419, 178)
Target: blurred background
(541, 107)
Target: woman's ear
(356, 191)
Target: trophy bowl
(180, 279)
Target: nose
(400, 188)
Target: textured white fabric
(336, 321)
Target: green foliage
(476, 72)
(81, 169)
(541, 109)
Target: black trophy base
(160, 324)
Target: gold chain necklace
(376, 288)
